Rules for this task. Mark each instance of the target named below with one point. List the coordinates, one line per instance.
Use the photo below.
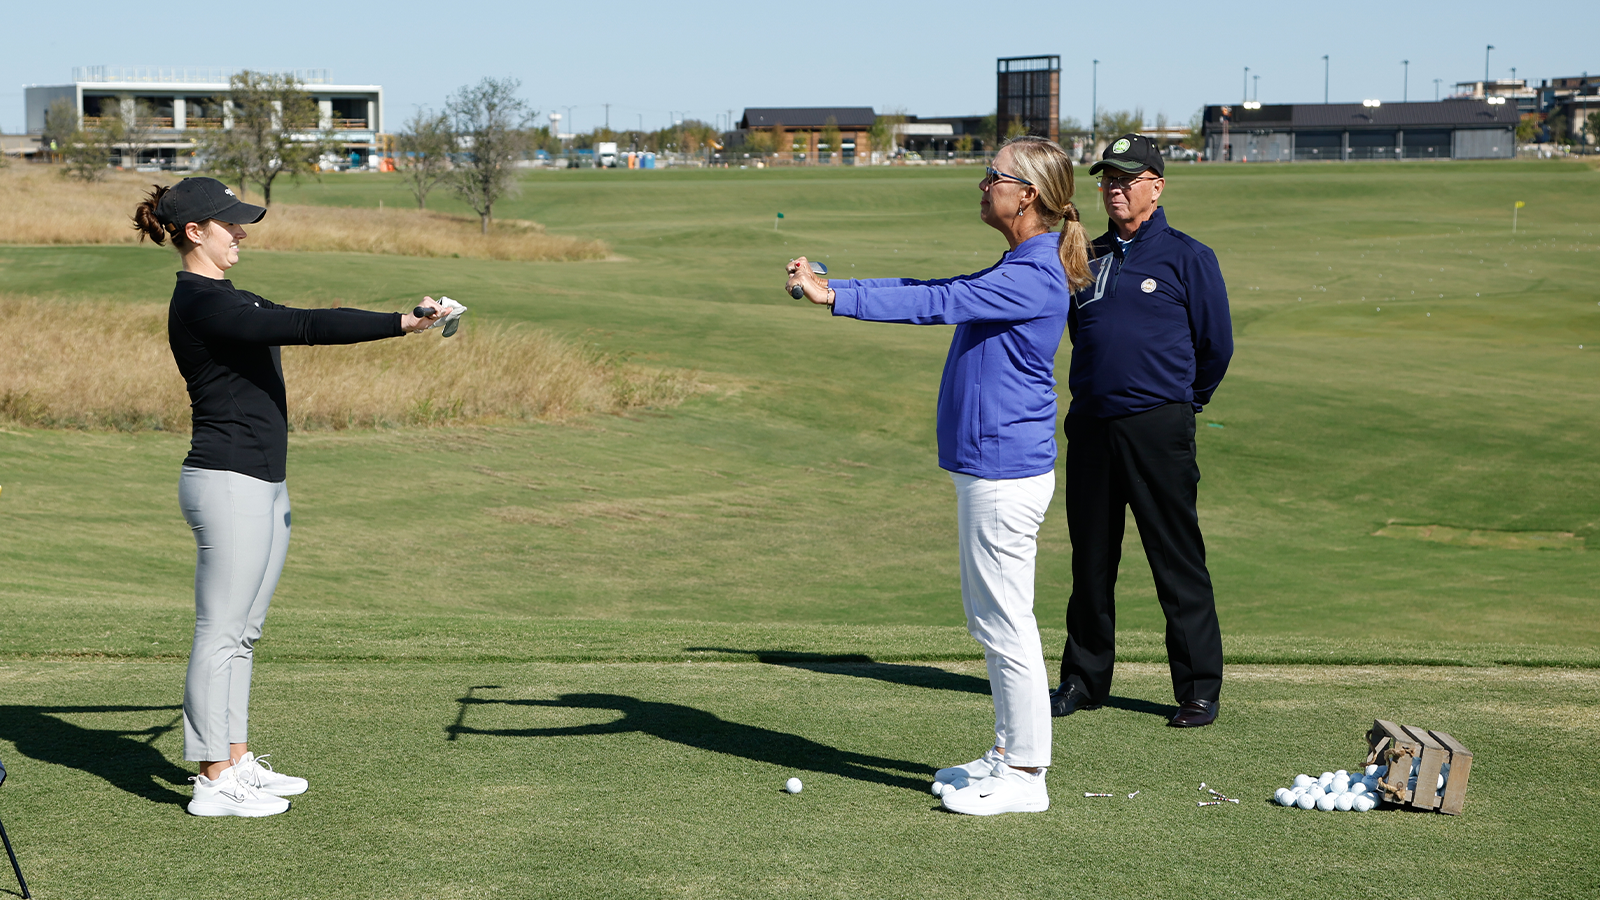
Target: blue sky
(928, 58)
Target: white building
(179, 102)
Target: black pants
(1146, 462)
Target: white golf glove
(452, 319)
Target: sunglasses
(991, 175)
(1122, 184)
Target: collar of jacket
(1106, 244)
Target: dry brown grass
(38, 207)
(98, 365)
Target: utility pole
(1405, 86)
(1436, 89)
(1094, 108)
(608, 115)
(1324, 79)
(1486, 68)
(1256, 85)
(1246, 85)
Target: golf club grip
(796, 291)
(422, 312)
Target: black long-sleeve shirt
(226, 342)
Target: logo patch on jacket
(1148, 286)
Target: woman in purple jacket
(996, 429)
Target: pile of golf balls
(1345, 791)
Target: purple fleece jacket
(997, 398)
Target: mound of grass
(487, 373)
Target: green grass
(793, 520)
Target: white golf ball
(938, 788)
(1301, 781)
(1364, 803)
(1441, 784)
(1340, 785)
(1306, 801)
(1372, 770)
(793, 785)
(1341, 773)
(1344, 801)
(1315, 790)
(1325, 780)
(1285, 797)
(1325, 802)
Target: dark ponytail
(149, 224)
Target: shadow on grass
(117, 756)
(860, 665)
(705, 731)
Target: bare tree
(425, 148)
(276, 130)
(60, 123)
(489, 121)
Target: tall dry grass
(38, 207)
(96, 365)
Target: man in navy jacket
(1151, 339)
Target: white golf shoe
(1007, 790)
(228, 796)
(963, 775)
(257, 772)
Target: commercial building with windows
(805, 127)
(174, 104)
(1444, 129)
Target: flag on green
(780, 215)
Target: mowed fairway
(678, 609)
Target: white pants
(241, 535)
(998, 521)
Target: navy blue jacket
(1152, 329)
(997, 398)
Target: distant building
(181, 102)
(1028, 95)
(1571, 100)
(1299, 132)
(806, 125)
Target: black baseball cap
(199, 199)
(1131, 153)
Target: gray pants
(241, 532)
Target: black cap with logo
(199, 199)
(1132, 153)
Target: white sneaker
(228, 796)
(257, 772)
(963, 775)
(1008, 790)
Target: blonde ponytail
(1074, 250)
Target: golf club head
(450, 326)
(816, 269)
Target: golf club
(450, 325)
(796, 291)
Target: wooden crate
(1396, 746)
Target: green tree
(831, 137)
(1559, 134)
(275, 130)
(1121, 122)
(86, 152)
(425, 145)
(1529, 127)
(1196, 138)
(1015, 128)
(964, 144)
(1591, 128)
(883, 131)
(490, 122)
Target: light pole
(1256, 87)
(1324, 79)
(1246, 85)
(1405, 86)
(572, 127)
(608, 115)
(1486, 67)
(1436, 89)
(1094, 107)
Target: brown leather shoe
(1194, 714)
(1067, 699)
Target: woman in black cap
(232, 487)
